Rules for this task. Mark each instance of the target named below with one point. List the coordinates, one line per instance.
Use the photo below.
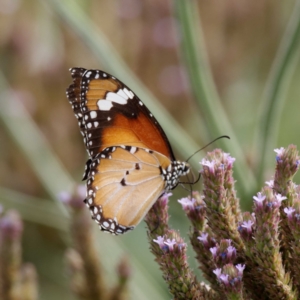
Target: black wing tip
(76, 70)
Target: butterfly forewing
(114, 115)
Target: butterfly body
(131, 162)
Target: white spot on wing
(132, 150)
(115, 98)
(104, 104)
(93, 114)
(129, 93)
(122, 94)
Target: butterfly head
(173, 172)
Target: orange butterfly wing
(131, 161)
(112, 114)
(126, 181)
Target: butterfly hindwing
(123, 184)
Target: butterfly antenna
(218, 138)
(182, 185)
(199, 175)
(193, 181)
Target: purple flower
(240, 268)
(231, 251)
(160, 241)
(279, 151)
(248, 225)
(213, 251)
(218, 272)
(259, 199)
(203, 238)
(230, 159)
(165, 198)
(280, 198)
(170, 244)
(209, 164)
(270, 183)
(289, 211)
(224, 278)
(187, 203)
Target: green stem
(207, 99)
(275, 93)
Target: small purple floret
(187, 203)
(259, 199)
(209, 164)
(280, 198)
(224, 278)
(289, 211)
(231, 251)
(240, 268)
(203, 238)
(170, 244)
(218, 272)
(213, 251)
(248, 225)
(160, 241)
(270, 183)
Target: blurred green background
(204, 68)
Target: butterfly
(131, 162)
